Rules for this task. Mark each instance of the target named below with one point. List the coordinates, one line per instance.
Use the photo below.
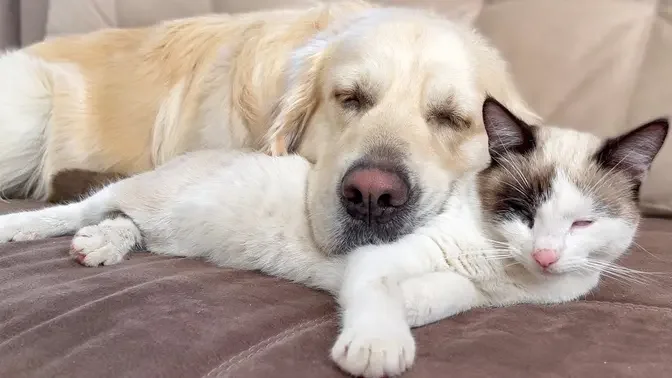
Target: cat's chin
(561, 272)
(547, 273)
(551, 272)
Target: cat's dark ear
(506, 132)
(634, 151)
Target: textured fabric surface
(22, 22)
(601, 65)
(164, 317)
(9, 23)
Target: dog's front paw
(98, 245)
(378, 349)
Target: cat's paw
(106, 243)
(13, 228)
(382, 349)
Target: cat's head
(563, 200)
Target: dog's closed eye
(447, 116)
(354, 99)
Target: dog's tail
(25, 111)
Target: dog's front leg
(433, 296)
(376, 339)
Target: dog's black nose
(373, 194)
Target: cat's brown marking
(515, 188)
(613, 191)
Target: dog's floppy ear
(297, 104)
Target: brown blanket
(153, 316)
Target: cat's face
(564, 201)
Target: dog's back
(127, 100)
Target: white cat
(554, 198)
(551, 213)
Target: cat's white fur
(248, 211)
(454, 264)
(237, 209)
(474, 254)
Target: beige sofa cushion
(602, 65)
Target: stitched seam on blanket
(86, 305)
(131, 266)
(264, 345)
(631, 306)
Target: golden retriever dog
(373, 96)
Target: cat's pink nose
(545, 257)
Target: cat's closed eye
(581, 223)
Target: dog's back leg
(25, 110)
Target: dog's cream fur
(126, 101)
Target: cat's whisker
(625, 280)
(633, 280)
(637, 272)
(646, 251)
(585, 269)
(503, 246)
(484, 251)
(497, 242)
(598, 185)
(628, 278)
(616, 278)
(642, 280)
(520, 184)
(625, 269)
(512, 264)
(591, 266)
(515, 166)
(626, 274)
(485, 257)
(508, 201)
(514, 187)
(616, 194)
(501, 259)
(574, 264)
(522, 176)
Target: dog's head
(386, 106)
